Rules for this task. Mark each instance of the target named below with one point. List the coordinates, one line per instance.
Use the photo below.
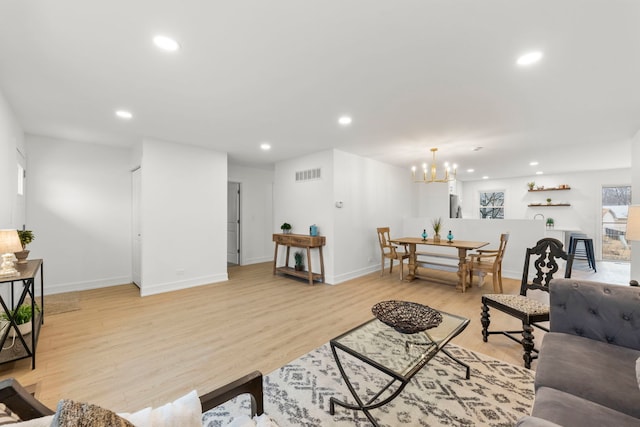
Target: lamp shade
(633, 223)
(9, 242)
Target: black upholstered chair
(543, 259)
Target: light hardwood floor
(125, 352)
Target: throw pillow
(185, 411)
(7, 416)
(78, 414)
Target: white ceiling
(413, 74)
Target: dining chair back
(390, 251)
(488, 261)
(545, 261)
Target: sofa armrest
(251, 384)
(535, 422)
(599, 311)
(20, 401)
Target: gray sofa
(586, 373)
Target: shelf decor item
(286, 228)
(531, 185)
(9, 244)
(26, 237)
(437, 225)
(424, 234)
(548, 201)
(406, 317)
(550, 222)
(298, 256)
(450, 237)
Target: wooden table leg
(309, 265)
(321, 263)
(413, 262)
(462, 262)
(275, 259)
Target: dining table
(462, 247)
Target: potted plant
(550, 222)
(298, 256)
(286, 228)
(531, 185)
(26, 237)
(549, 201)
(437, 225)
(22, 316)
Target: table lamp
(633, 228)
(9, 243)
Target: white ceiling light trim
(265, 146)
(529, 58)
(124, 114)
(166, 43)
(345, 120)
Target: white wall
(373, 194)
(256, 210)
(585, 197)
(304, 203)
(183, 216)
(433, 200)
(12, 213)
(79, 208)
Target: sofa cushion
(600, 372)
(568, 410)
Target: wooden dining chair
(488, 261)
(390, 251)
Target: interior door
(136, 238)
(233, 222)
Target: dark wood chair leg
(484, 319)
(527, 344)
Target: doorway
(233, 223)
(615, 206)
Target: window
(492, 204)
(20, 180)
(615, 206)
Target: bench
(425, 259)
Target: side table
(22, 347)
(299, 241)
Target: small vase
(436, 238)
(22, 256)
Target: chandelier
(429, 175)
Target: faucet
(536, 216)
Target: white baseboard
(159, 288)
(249, 261)
(82, 286)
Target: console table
(22, 348)
(299, 241)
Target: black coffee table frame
(431, 345)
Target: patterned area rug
(497, 394)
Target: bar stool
(585, 252)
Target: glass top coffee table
(398, 355)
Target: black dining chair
(543, 259)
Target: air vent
(308, 175)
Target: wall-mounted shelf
(549, 189)
(547, 205)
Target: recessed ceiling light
(345, 120)
(124, 114)
(485, 177)
(471, 170)
(529, 58)
(265, 146)
(166, 43)
(539, 173)
(534, 163)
